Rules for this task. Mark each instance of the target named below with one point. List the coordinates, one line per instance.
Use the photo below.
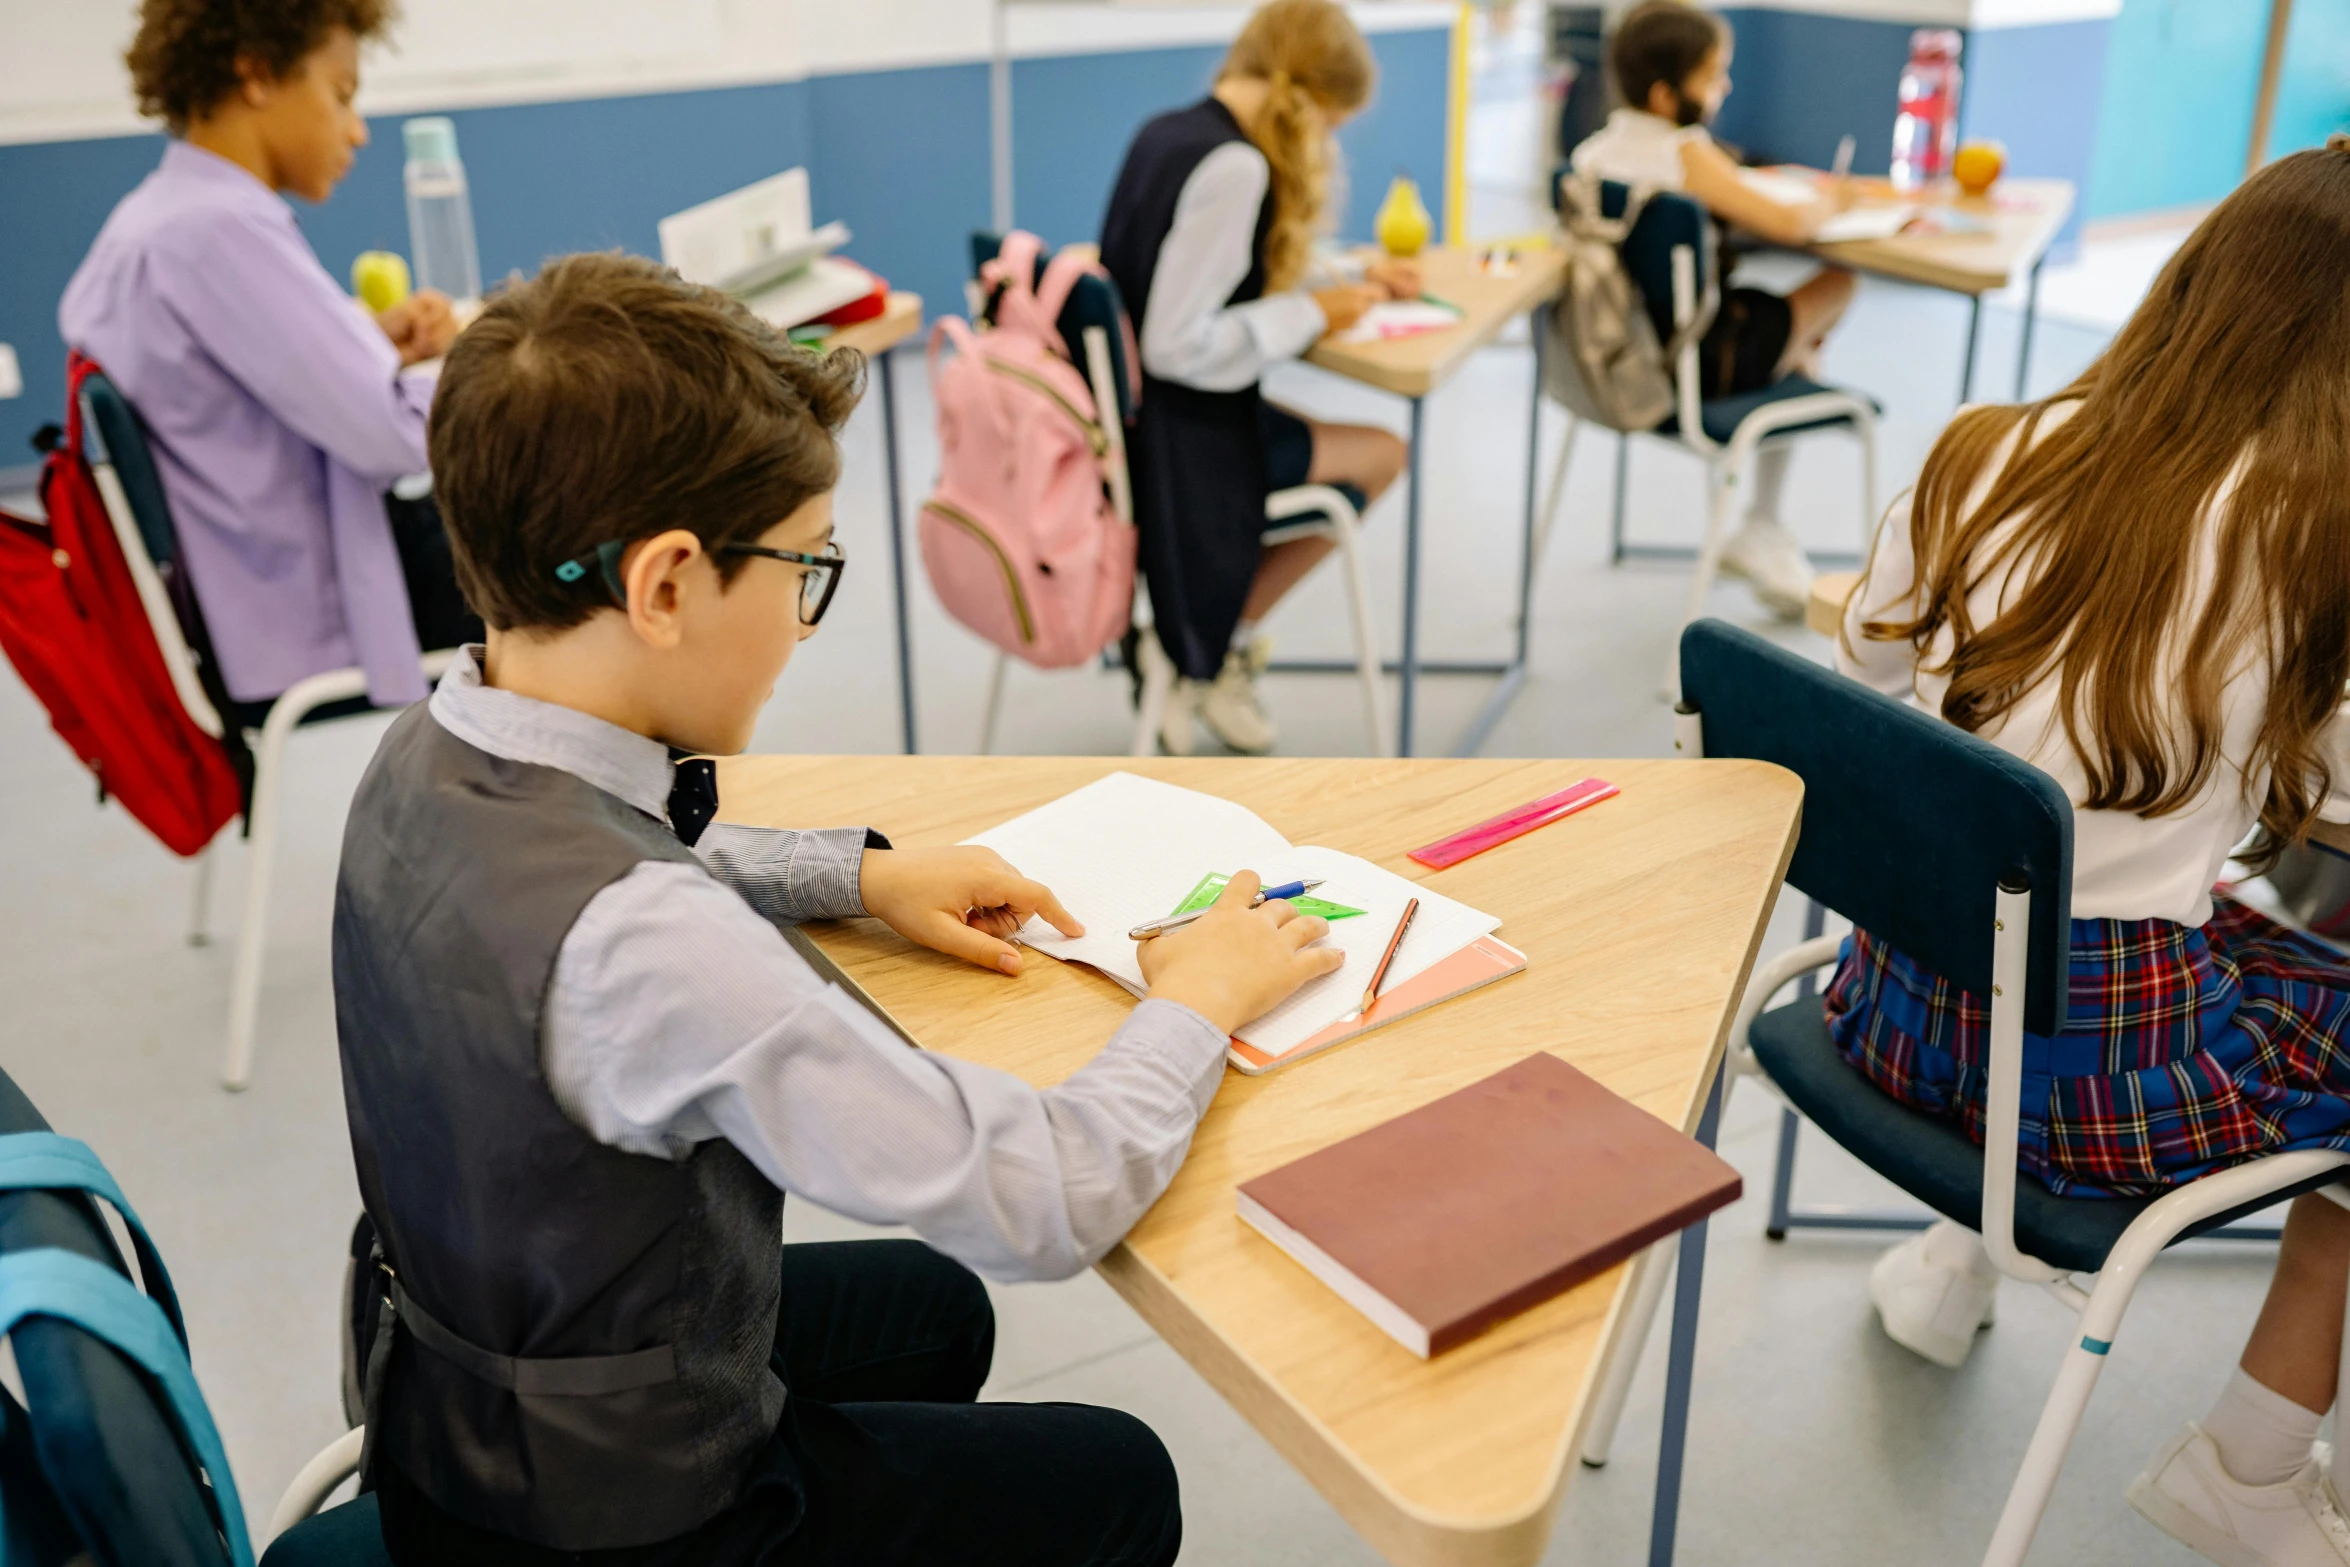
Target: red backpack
(73, 624)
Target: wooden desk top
(1415, 366)
(899, 320)
(1640, 918)
(2024, 216)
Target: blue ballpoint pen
(1288, 889)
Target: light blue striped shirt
(677, 1013)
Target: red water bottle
(1925, 133)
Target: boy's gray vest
(583, 1335)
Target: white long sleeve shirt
(677, 1013)
(1189, 334)
(2125, 866)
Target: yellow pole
(1456, 133)
(2272, 69)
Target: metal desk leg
(897, 550)
(1513, 674)
(1974, 330)
(2023, 354)
(1688, 1283)
(1408, 681)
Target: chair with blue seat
(1960, 855)
(1669, 257)
(124, 467)
(112, 1456)
(1094, 323)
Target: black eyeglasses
(816, 587)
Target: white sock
(1770, 482)
(2263, 1437)
(1243, 633)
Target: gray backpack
(1602, 360)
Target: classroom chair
(1960, 855)
(1094, 321)
(124, 467)
(1669, 257)
(112, 1455)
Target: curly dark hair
(184, 59)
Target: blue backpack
(112, 1457)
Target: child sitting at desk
(2142, 587)
(1209, 234)
(278, 410)
(1671, 63)
(582, 1066)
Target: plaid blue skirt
(2186, 1050)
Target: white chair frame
(1773, 424)
(333, 1464)
(2108, 1295)
(268, 745)
(1327, 513)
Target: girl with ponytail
(1210, 236)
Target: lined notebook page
(1441, 928)
(1125, 850)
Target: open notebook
(1124, 850)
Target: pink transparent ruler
(1513, 823)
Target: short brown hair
(608, 398)
(1661, 41)
(184, 59)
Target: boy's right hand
(1343, 304)
(1235, 963)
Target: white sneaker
(1934, 1292)
(1176, 737)
(2188, 1494)
(1232, 710)
(1773, 564)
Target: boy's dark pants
(884, 1345)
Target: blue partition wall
(901, 156)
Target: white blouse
(1189, 334)
(1635, 147)
(2125, 866)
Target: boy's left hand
(965, 902)
(421, 327)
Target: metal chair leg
(1721, 504)
(244, 991)
(1556, 493)
(200, 899)
(1367, 665)
(994, 710)
(1650, 1270)
(1615, 527)
(1158, 685)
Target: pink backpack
(1021, 538)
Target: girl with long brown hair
(2142, 586)
(1210, 236)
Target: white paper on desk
(1400, 318)
(1125, 850)
(1865, 223)
(1789, 190)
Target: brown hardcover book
(1449, 1219)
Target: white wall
(61, 73)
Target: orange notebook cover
(1463, 1213)
(1480, 963)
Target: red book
(1446, 1220)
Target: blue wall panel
(1800, 83)
(1072, 117)
(900, 156)
(2313, 98)
(2176, 118)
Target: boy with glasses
(582, 1066)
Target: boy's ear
(654, 574)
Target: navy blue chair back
(1094, 302)
(123, 442)
(107, 1447)
(1909, 823)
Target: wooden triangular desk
(1640, 919)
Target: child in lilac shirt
(279, 410)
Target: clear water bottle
(1925, 133)
(440, 213)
